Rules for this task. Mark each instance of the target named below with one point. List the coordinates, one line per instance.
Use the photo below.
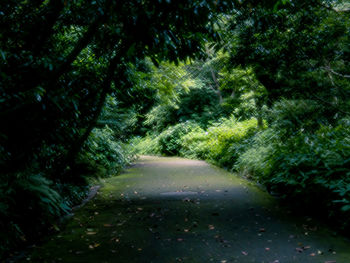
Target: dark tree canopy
(60, 58)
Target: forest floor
(176, 210)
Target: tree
(293, 49)
(59, 61)
(55, 80)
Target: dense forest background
(258, 87)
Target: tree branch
(76, 147)
(82, 43)
(330, 70)
(330, 104)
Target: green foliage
(193, 144)
(227, 138)
(181, 97)
(199, 105)
(310, 166)
(161, 116)
(221, 143)
(105, 152)
(291, 116)
(121, 120)
(296, 157)
(170, 139)
(294, 52)
(60, 60)
(69, 68)
(313, 165)
(257, 159)
(23, 200)
(146, 145)
(282, 65)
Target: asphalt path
(166, 209)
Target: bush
(227, 140)
(161, 116)
(257, 159)
(170, 139)
(146, 145)
(292, 116)
(310, 168)
(221, 143)
(25, 200)
(102, 150)
(297, 157)
(193, 144)
(31, 201)
(314, 165)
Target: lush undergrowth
(293, 159)
(31, 202)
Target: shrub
(193, 144)
(291, 116)
(221, 143)
(309, 168)
(105, 152)
(316, 165)
(25, 200)
(31, 201)
(161, 116)
(146, 145)
(227, 140)
(257, 159)
(170, 139)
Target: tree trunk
(105, 87)
(217, 90)
(258, 105)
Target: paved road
(176, 210)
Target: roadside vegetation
(270, 104)
(258, 87)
